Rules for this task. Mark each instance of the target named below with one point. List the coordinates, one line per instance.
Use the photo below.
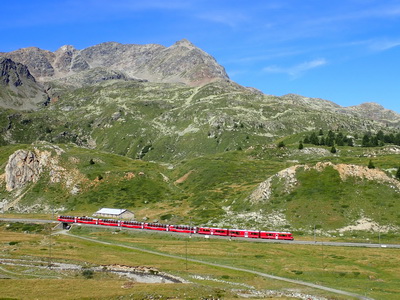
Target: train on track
(244, 233)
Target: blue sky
(345, 51)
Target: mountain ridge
(181, 62)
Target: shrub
(88, 274)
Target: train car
(68, 219)
(244, 233)
(132, 224)
(109, 222)
(87, 220)
(213, 231)
(276, 235)
(156, 226)
(182, 228)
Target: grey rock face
(12, 73)
(18, 88)
(22, 167)
(181, 62)
(38, 61)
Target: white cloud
(383, 45)
(297, 70)
(230, 19)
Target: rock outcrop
(288, 181)
(26, 166)
(182, 62)
(22, 167)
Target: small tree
(281, 144)
(398, 173)
(371, 165)
(366, 141)
(301, 146)
(350, 142)
(87, 273)
(314, 139)
(333, 149)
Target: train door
(246, 234)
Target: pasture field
(369, 272)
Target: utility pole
(186, 255)
(315, 238)
(50, 231)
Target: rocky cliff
(181, 62)
(22, 167)
(18, 88)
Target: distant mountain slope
(372, 111)
(171, 122)
(18, 88)
(181, 62)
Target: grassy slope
(370, 272)
(209, 184)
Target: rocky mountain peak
(184, 43)
(66, 48)
(182, 62)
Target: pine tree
(314, 139)
(333, 149)
(301, 145)
(397, 139)
(398, 173)
(366, 141)
(281, 144)
(350, 142)
(331, 134)
(339, 139)
(371, 165)
(380, 135)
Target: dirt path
(308, 284)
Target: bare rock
(18, 88)
(22, 167)
(182, 62)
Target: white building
(114, 213)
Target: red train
(181, 228)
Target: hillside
(257, 188)
(164, 132)
(170, 122)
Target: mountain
(164, 132)
(181, 62)
(18, 88)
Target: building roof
(111, 211)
